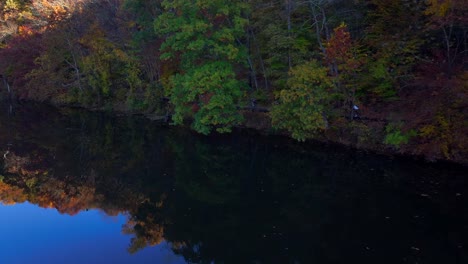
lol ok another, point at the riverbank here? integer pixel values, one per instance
(368, 132)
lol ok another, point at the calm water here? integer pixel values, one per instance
(80, 187)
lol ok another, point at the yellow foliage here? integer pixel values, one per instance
(438, 8)
(11, 5)
(427, 131)
(301, 108)
(440, 133)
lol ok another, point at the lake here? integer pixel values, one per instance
(82, 187)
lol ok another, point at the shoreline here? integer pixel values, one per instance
(259, 123)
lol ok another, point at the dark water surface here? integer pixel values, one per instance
(79, 187)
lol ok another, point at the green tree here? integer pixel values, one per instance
(145, 43)
(205, 37)
(213, 90)
(303, 104)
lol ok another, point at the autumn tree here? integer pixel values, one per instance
(303, 104)
(58, 68)
(17, 59)
(345, 60)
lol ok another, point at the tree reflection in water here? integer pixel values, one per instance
(236, 198)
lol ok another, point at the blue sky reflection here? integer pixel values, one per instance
(30, 234)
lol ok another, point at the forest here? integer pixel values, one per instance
(388, 75)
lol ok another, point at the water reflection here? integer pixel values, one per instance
(36, 235)
(235, 198)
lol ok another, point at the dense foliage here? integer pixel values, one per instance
(311, 64)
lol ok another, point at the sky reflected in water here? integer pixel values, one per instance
(31, 234)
